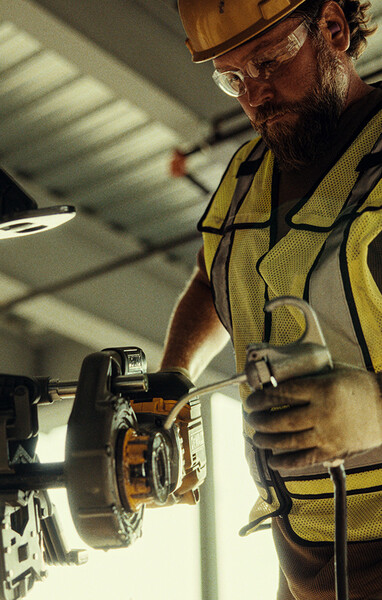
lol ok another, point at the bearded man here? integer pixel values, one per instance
(298, 212)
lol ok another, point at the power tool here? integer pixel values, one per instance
(119, 459)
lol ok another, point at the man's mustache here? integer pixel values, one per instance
(263, 113)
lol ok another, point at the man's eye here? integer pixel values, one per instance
(263, 68)
(234, 81)
(269, 64)
(232, 78)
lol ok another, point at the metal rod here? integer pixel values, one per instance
(337, 473)
(197, 183)
(33, 476)
(194, 393)
(66, 390)
(61, 390)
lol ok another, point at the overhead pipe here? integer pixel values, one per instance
(123, 261)
(178, 165)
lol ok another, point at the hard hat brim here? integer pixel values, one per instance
(261, 25)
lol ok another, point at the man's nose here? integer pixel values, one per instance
(259, 91)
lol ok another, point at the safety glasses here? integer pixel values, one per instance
(264, 66)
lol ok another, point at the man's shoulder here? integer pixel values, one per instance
(375, 97)
(247, 149)
(372, 106)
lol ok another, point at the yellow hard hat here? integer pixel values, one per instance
(214, 27)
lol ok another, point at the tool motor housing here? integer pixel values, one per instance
(119, 459)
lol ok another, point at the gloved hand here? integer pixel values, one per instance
(309, 420)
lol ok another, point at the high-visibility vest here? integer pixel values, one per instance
(323, 259)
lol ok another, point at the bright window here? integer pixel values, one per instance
(247, 567)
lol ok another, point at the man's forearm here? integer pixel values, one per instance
(195, 333)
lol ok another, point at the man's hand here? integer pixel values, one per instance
(310, 420)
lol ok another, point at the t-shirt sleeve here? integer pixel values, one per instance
(201, 268)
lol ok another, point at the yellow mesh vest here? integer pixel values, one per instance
(323, 258)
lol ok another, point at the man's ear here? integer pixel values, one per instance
(334, 26)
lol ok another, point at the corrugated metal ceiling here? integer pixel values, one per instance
(72, 136)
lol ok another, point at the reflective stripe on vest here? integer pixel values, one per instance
(351, 345)
(219, 267)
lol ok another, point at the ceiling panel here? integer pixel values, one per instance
(102, 123)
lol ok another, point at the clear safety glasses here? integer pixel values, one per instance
(233, 82)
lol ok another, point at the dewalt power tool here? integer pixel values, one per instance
(119, 459)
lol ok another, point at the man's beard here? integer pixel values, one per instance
(302, 142)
